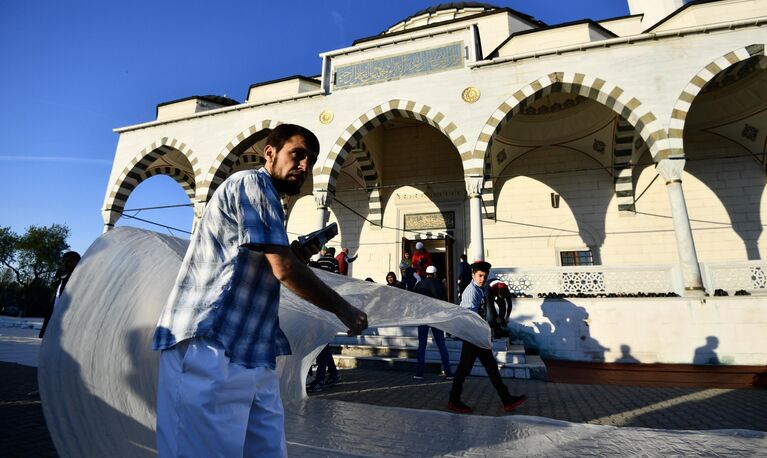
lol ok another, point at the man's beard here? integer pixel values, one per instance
(290, 188)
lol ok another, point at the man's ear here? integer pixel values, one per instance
(269, 153)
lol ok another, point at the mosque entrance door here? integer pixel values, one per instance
(442, 258)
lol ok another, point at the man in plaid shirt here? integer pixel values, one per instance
(218, 392)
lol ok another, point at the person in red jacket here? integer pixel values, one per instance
(344, 260)
(421, 259)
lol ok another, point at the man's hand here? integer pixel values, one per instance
(304, 252)
(355, 319)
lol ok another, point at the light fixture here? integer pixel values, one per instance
(554, 200)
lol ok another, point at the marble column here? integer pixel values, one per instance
(474, 191)
(199, 208)
(671, 170)
(109, 217)
(323, 199)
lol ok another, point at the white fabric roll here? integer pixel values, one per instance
(98, 375)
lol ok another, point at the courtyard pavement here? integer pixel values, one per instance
(662, 408)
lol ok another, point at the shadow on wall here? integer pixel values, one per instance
(706, 353)
(565, 335)
(626, 357)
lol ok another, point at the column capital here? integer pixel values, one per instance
(474, 185)
(322, 198)
(671, 169)
(199, 208)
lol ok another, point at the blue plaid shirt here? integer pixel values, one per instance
(227, 292)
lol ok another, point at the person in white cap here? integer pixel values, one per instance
(430, 286)
(421, 259)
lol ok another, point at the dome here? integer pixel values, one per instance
(440, 13)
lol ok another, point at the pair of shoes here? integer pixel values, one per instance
(315, 387)
(332, 379)
(418, 377)
(458, 406)
(513, 402)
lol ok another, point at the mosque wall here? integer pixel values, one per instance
(528, 231)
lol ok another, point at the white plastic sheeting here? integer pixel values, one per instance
(97, 373)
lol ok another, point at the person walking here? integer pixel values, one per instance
(218, 391)
(434, 288)
(69, 261)
(474, 299)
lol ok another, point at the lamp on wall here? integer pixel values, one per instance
(554, 200)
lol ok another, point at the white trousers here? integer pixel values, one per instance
(210, 407)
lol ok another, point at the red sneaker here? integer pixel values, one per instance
(513, 402)
(458, 406)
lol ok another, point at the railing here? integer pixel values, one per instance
(596, 280)
(750, 276)
(731, 277)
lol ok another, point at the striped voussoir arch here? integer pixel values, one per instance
(326, 173)
(226, 159)
(254, 160)
(696, 84)
(488, 197)
(622, 172)
(182, 178)
(135, 172)
(595, 89)
(372, 183)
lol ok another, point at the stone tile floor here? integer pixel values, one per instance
(327, 428)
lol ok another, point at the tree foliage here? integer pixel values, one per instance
(35, 256)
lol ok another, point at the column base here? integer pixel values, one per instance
(695, 291)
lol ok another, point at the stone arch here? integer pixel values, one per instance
(182, 178)
(696, 84)
(140, 168)
(372, 182)
(326, 172)
(228, 157)
(627, 107)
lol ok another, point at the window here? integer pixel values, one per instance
(576, 258)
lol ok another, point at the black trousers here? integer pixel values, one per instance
(469, 354)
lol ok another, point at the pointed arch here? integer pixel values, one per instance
(627, 107)
(140, 168)
(696, 84)
(182, 178)
(326, 172)
(229, 157)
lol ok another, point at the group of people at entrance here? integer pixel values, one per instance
(491, 300)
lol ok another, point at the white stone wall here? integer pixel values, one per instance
(672, 331)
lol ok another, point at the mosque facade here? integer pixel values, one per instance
(618, 156)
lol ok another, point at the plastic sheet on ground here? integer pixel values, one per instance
(97, 374)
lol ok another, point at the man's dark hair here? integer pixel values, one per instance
(284, 132)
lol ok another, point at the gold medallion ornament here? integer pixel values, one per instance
(470, 94)
(326, 117)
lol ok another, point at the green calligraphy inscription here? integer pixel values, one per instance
(389, 68)
(443, 220)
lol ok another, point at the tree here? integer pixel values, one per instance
(34, 257)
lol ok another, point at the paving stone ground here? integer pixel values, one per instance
(23, 432)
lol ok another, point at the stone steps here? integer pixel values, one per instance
(396, 348)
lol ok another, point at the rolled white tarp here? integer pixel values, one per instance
(97, 373)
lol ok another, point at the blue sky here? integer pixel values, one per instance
(71, 71)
